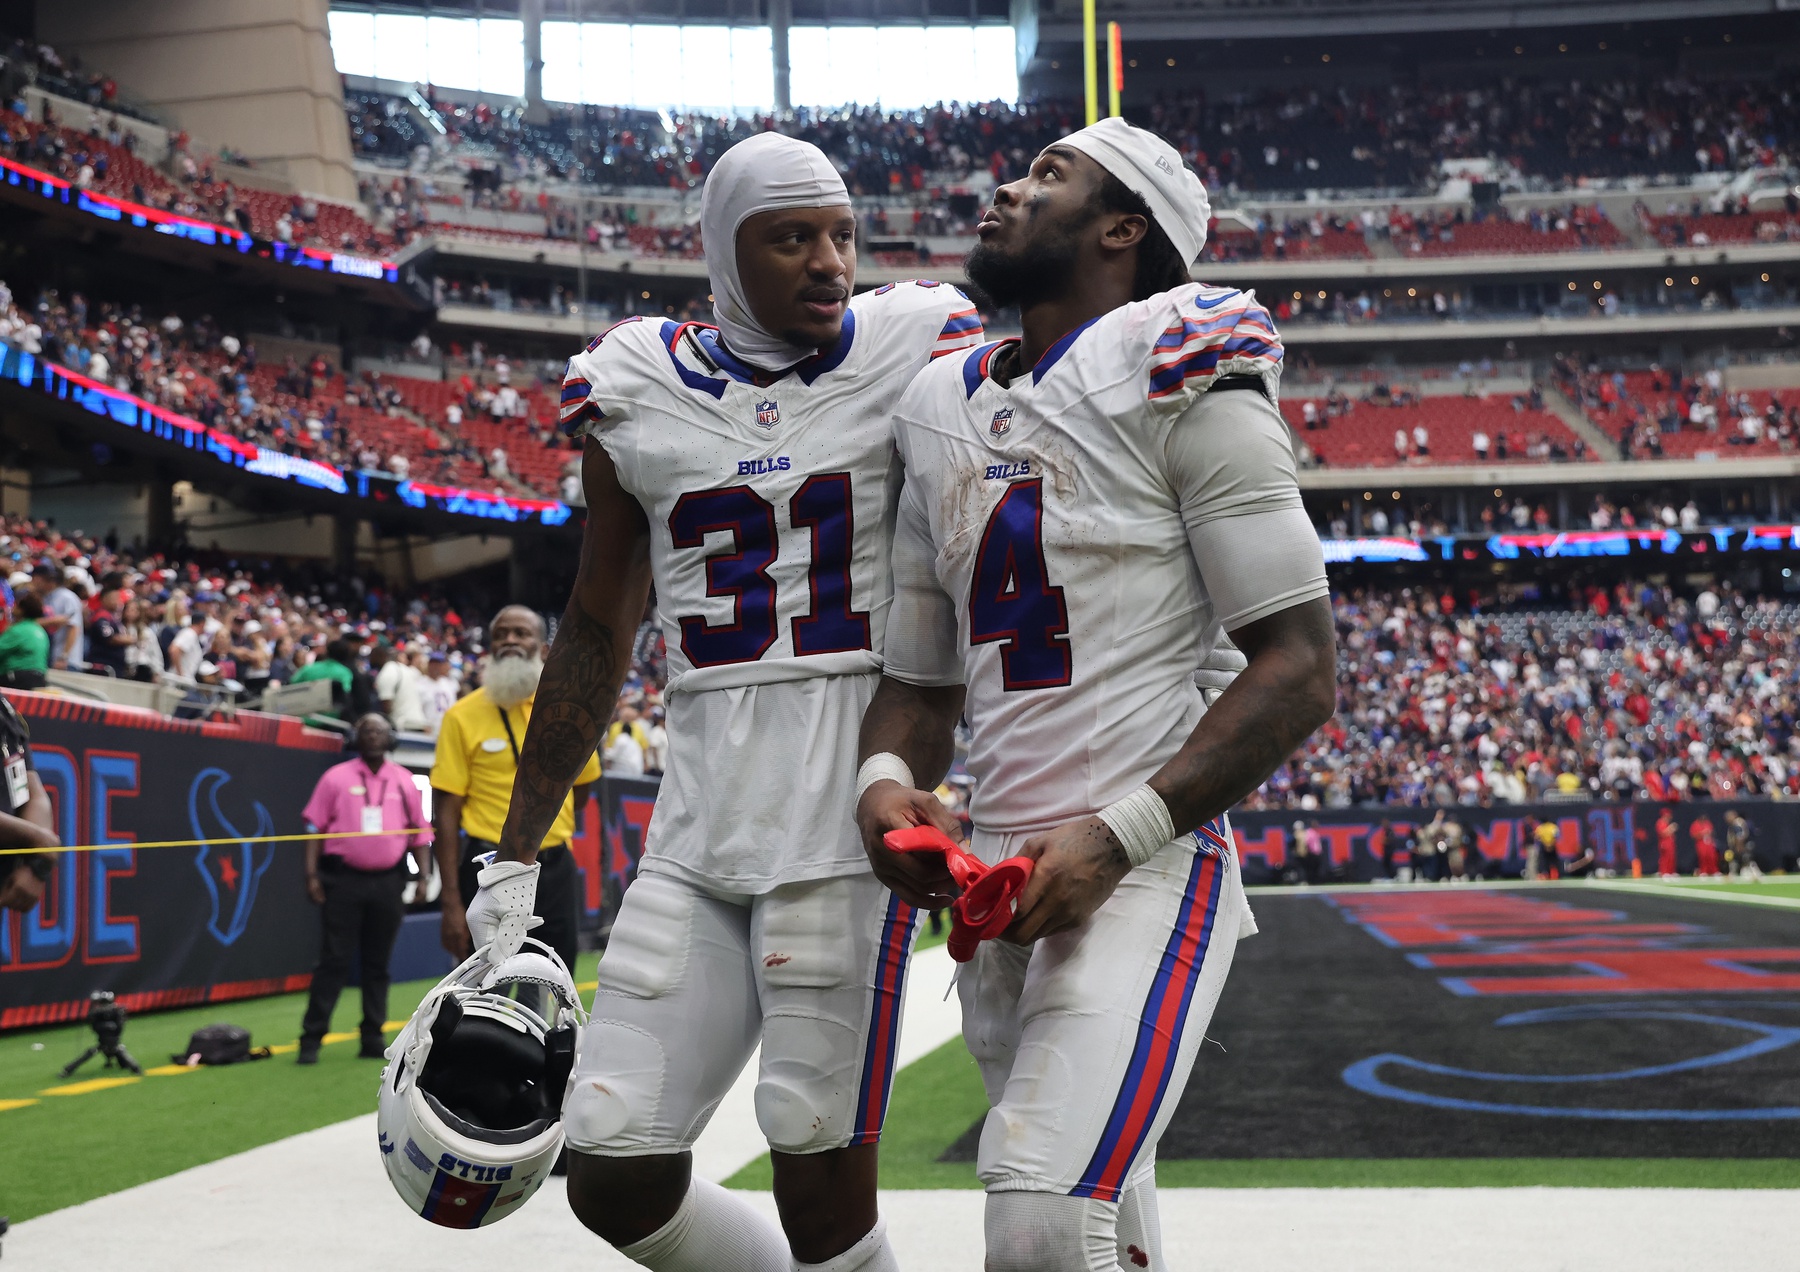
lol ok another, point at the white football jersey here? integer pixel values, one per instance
(1054, 517)
(771, 510)
(770, 499)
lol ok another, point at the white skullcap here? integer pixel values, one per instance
(759, 174)
(1150, 168)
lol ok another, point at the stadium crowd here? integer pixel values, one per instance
(1625, 691)
(1397, 136)
(1663, 412)
(301, 407)
(72, 602)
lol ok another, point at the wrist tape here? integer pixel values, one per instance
(1142, 823)
(883, 767)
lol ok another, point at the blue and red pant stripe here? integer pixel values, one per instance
(884, 1021)
(1160, 1025)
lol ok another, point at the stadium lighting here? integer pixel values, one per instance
(1596, 284)
(1765, 278)
(1169, 62)
(1324, 57)
(1695, 280)
(1571, 286)
(1668, 282)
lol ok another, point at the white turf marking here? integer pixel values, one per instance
(320, 1200)
(1702, 892)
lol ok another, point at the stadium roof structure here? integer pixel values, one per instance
(732, 12)
(1060, 20)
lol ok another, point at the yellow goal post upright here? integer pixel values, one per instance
(1090, 70)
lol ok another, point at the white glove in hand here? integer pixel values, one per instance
(500, 914)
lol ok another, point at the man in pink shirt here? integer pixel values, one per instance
(357, 881)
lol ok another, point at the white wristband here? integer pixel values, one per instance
(884, 767)
(1141, 821)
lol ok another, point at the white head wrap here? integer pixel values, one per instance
(759, 174)
(1151, 169)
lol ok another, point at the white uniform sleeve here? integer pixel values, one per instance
(597, 387)
(921, 643)
(1232, 465)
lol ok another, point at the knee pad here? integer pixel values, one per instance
(807, 1094)
(610, 1102)
(1050, 1232)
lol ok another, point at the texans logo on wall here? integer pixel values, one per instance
(164, 926)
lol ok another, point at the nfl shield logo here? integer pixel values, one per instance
(1002, 422)
(768, 414)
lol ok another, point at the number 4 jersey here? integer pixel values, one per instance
(1072, 544)
(771, 509)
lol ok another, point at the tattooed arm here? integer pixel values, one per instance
(587, 661)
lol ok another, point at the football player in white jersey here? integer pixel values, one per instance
(748, 471)
(1085, 511)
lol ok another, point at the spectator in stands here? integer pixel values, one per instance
(64, 616)
(144, 656)
(369, 811)
(626, 744)
(25, 645)
(399, 686)
(438, 691)
(472, 778)
(338, 667)
(1480, 443)
(188, 649)
(108, 639)
(1421, 441)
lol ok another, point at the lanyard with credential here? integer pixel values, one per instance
(511, 741)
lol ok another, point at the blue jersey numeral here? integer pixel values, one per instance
(831, 626)
(822, 505)
(1011, 599)
(742, 574)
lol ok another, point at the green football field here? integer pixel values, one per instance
(107, 1134)
(1786, 887)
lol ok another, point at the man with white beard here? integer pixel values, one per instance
(472, 781)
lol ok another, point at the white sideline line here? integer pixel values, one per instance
(320, 1200)
(1700, 891)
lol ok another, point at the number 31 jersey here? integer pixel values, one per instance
(770, 499)
(1045, 553)
(771, 510)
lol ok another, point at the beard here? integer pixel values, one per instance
(511, 680)
(1040, 271)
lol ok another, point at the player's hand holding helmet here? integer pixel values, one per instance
(470, 1113)
(501, 913)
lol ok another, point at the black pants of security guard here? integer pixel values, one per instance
(362, 909)
(558, 899)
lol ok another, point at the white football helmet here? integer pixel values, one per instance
(470, 1115)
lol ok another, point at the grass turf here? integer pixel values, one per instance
(86, 1145)
(939, 1096)
(1786, 888)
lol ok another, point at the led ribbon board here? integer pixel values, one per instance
(32, 372)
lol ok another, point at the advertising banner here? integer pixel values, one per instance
(163, 927)
(1359, 844)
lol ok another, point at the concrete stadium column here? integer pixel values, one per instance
(781, 17)
(532, 13)
(255, 75)
(159, 509)
(345, 529)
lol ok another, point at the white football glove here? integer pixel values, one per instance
(500, 914)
